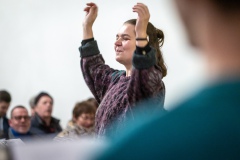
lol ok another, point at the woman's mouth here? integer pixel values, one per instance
(119, 51)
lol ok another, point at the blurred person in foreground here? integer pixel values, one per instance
(5, 100)
(20, 124)
(42, 123)
(207, 125)
(83, 123)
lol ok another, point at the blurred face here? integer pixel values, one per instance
(125, 44)
(3, 108)
(194, 16)
(20, 120)
(86, 120)
(44, 107)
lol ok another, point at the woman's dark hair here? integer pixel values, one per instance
(156, 39)
(40, 95)
(83, 107)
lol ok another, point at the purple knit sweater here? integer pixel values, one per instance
(116, 93)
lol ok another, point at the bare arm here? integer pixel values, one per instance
(91, 15)
(142, 22)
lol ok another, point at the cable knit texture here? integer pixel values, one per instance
(116, 93)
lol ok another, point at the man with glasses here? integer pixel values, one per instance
(20, 124)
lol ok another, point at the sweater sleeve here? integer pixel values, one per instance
(146, 79)
(96, 73)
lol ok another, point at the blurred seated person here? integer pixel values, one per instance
(83, 123)
(20, 124)
(42, 123)
(5, 100)
(91, 100)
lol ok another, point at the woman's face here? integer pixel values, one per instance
(125, 44)
(44, 107)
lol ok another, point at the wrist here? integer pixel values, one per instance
(87, 33)
(142, 41)
(141, 35)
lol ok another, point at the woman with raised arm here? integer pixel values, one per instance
(137, 47)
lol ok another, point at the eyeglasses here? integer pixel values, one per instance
(18, 118)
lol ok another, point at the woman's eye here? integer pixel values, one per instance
(123, 38)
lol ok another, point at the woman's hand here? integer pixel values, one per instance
(142, 20)
(91, 15)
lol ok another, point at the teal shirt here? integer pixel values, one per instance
(206, 126)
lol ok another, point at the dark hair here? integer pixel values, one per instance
(156, 39)
(93, 101)
(19, 106)
(228, 6)
(39, 96)
(5, 96)
(83, 107)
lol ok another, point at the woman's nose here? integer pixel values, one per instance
(118, 42)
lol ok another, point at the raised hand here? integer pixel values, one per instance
(91, 15)
(142, 19)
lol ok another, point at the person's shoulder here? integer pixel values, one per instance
(35, 118)
(207, 110)
(36, 130)
(5, 118)
(154, 124)
(6, 122)
(56, 124)
(156, 133)
(34, 121)
(55, 120)
(65, 133)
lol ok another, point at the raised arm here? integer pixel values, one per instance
(91, 15)
(147, 74)
(141, 24)
(96, 73)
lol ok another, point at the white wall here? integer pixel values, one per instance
(39, 43)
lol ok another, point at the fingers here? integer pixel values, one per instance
(86, 9)
(142, 20)
(91, 9)
(89, 6)
(141, 9)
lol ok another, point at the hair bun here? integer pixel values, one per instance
(160, 36)
(159, 33)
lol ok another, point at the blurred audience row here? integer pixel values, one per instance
(41, 124)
